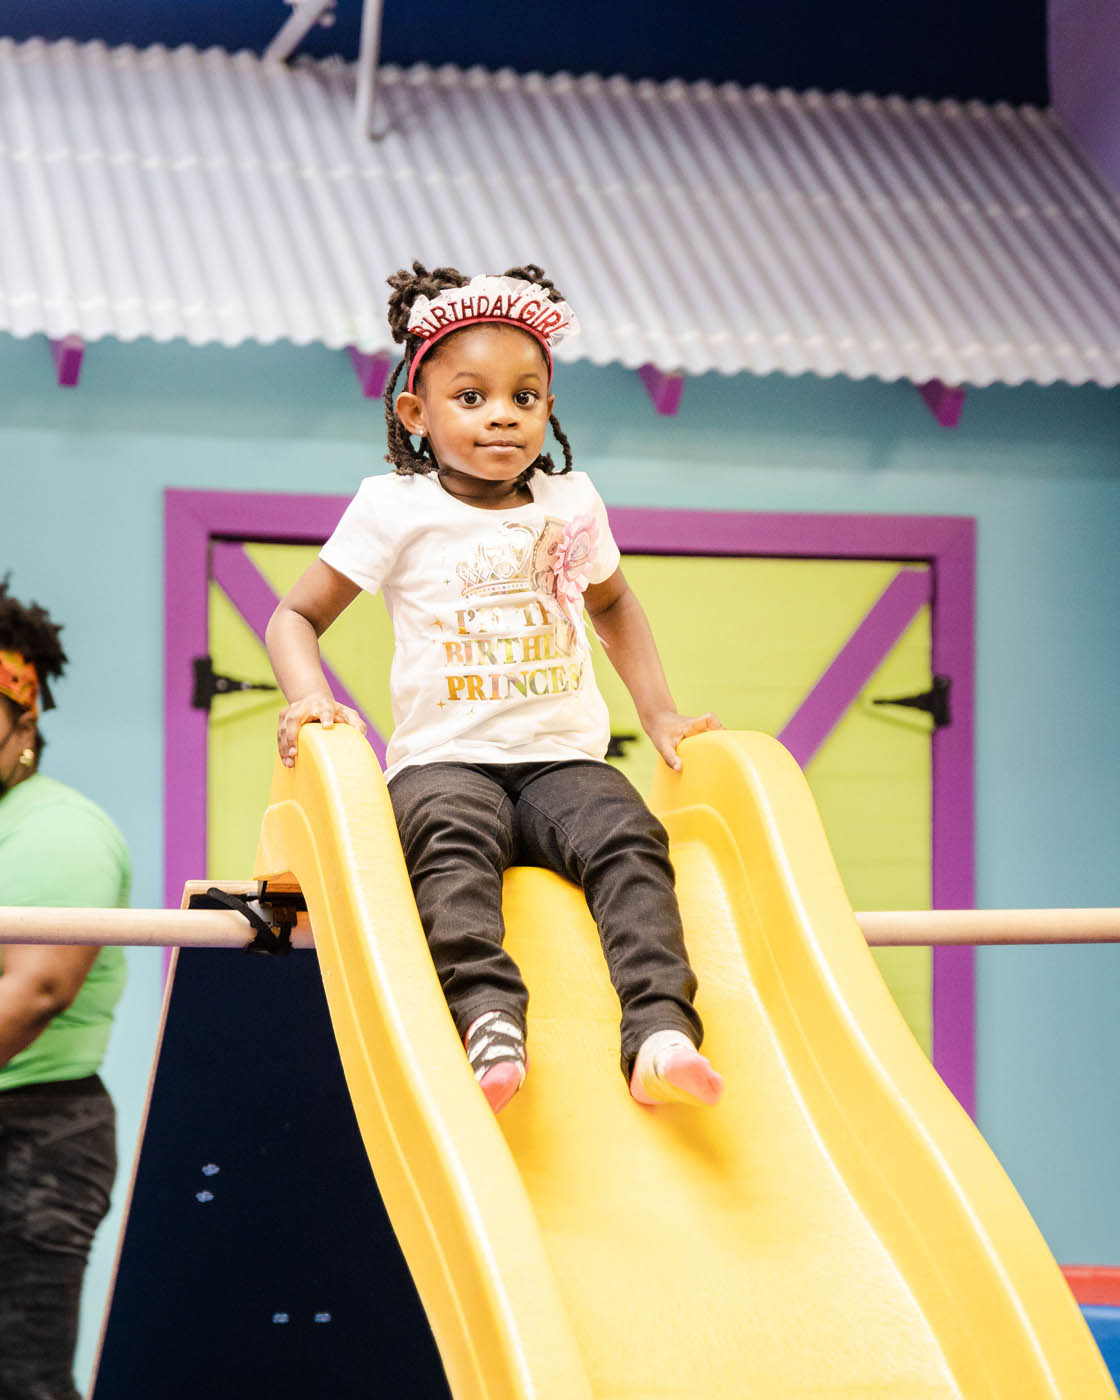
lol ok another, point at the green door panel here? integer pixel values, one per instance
(241, 744)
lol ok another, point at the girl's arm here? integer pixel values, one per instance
(621, 623)
(292, 637)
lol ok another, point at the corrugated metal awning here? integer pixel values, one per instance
(207, 195)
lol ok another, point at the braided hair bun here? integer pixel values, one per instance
(407, 286)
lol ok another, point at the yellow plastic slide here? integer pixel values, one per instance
(835, 1227)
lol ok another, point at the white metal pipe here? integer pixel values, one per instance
(183, 928)
(304, 17)
(223, 928)
(369, 52)
(946, 927)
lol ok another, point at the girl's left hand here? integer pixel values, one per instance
(667, 730)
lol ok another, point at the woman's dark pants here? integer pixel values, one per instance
(57, 1163)
(462, 825)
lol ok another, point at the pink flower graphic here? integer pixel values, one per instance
(574, 556)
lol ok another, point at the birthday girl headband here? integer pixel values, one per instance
(19, 681)
(485, 299)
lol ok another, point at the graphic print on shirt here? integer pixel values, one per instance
(520, 629)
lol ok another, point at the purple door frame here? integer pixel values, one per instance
(194, 519)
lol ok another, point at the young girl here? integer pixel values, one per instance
(487, 555)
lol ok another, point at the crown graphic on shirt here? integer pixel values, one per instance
(502, 566)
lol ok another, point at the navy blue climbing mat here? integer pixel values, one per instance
(257, 1256)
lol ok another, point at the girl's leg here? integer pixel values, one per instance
(456, 829)
(586, 821)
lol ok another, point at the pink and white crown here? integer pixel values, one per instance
(487, 298)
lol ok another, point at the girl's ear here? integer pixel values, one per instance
(410, 410)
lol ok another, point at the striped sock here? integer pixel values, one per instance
(495, 1046)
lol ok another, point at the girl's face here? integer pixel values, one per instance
(483, 403)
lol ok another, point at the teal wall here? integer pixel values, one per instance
(83, 474)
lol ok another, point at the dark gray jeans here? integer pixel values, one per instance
(57, 1162)
(462, 825)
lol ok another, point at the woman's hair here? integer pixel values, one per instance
(29, 630)
(407, 286)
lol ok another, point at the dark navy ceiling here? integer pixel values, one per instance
(990, 49)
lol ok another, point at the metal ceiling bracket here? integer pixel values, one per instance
(372, 371)
(945, 401)
(664, 389)
(306, 14)
(67, 355)
(369, 50)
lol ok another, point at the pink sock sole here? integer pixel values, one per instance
(500, 1084)
(682, 1076)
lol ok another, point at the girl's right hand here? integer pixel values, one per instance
(319, 708)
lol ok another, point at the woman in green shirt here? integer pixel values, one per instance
(57, 1130)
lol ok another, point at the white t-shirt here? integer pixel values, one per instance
(490, 662)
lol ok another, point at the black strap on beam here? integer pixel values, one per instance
(271, 916)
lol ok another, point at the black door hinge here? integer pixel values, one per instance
(934, 701)
(208, 683)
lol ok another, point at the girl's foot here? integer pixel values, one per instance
(495, 1047)
(670, 1069)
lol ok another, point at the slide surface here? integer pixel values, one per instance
(836, 1227)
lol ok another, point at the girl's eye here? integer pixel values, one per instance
(471, 398)
(525, 398)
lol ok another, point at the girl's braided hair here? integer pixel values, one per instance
(407, 286)
(28, 629)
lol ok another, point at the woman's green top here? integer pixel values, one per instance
(58, 848)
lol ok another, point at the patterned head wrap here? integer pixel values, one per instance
(19, 681)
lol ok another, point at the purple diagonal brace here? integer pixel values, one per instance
(664, 389)
(372, 371)
(67, 355)
(944, 401)
(250, 593)
(855, 663)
